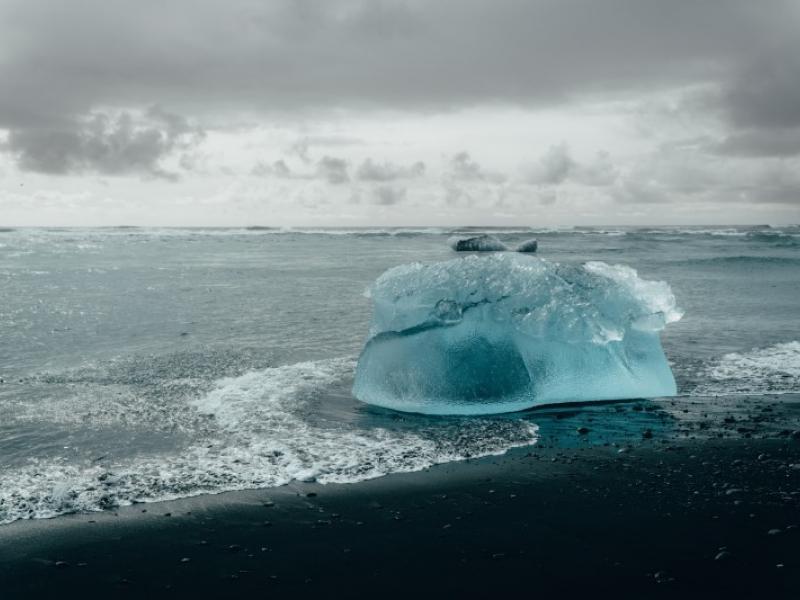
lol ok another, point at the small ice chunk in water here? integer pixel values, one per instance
(528, 246)
(479, 243)
(505, 332)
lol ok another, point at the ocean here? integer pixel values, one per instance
(142, 364)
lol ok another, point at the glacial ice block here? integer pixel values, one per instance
(479, 243)
(505, 332)
(528, 246)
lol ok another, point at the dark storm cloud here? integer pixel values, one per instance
(105, 144)
(760, 142)
(61, 59)
(761, 102)
(370, 170)
(765, 93)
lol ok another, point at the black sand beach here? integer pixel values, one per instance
(704, 518)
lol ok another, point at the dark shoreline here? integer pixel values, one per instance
(715, 518)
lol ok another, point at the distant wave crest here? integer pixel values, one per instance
(745, 260)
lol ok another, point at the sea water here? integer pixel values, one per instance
(147, 364)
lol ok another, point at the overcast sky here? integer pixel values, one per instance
(415, 112)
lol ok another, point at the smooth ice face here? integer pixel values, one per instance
(498, 333)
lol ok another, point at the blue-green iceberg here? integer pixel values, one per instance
(506, 332)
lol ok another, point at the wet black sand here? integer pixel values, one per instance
(662, 518)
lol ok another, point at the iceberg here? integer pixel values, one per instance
(479, 243)
(528, 246)
(506, 332)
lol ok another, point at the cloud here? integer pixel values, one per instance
(410, 54)
(278, 168)
(760, 101)
(333, 170)
(601, 171)
(386, 195)
(548, 198)
(309, 81)
(103, 143)
(465, 183)
(759, 143)
(672, 176)
(386, 171)
(557, 166)
(553, 167)
(765, 92)
(330, 169)
(463, 168)
(640, 191)
(302, 146)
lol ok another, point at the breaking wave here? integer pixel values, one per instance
(262, 429)
(771, 370)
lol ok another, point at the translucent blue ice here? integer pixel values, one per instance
(505, 332)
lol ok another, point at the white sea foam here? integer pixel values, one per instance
(771, 370)
(262, 429)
